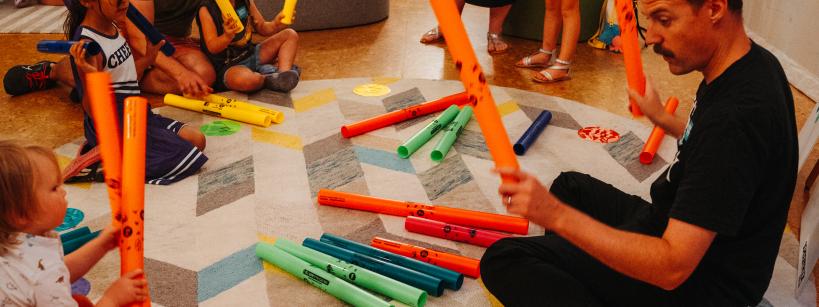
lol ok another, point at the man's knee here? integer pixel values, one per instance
(497, 259)
(206, 72)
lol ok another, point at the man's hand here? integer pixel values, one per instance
(78, 52)
(191, 85)
(649, 104)
(528, 197)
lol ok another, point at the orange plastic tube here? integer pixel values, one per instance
(133, 187)
(103, 111)
(398, 116)
(456, 216)
(631, 51)
(657, 134)
(464, 265)
(474, 82)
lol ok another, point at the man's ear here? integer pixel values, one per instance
(717, 9)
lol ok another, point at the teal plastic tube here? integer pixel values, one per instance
(76, 243)
(422, 137)
(452, 132)
(76, 233)
(355, 275)
(451, 279)
(318, 277)
(432, 285)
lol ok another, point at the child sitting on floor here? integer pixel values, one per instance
(33, 270)
(173, 150)
(240, 64)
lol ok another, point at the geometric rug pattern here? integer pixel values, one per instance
(261, 183)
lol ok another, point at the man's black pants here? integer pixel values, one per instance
(550, 271)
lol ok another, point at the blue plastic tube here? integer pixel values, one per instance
(531, 134)
(148, 29)
(452, 280)
(432, 285)
(63, 47)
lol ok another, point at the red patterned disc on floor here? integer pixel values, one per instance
(598, 134)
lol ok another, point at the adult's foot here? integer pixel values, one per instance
(432, 36)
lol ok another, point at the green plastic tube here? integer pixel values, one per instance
(355, 275)
(452, 132)
(76, 243)
(422, 137)
(318, 277)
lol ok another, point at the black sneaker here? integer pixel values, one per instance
(281, 81)
(23, 79)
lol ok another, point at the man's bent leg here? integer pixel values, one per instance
(598, 199)
(159, 82)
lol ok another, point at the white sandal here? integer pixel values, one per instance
(526, 62)
(559, 65)
(494, 39)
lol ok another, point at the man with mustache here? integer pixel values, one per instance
(711, 233)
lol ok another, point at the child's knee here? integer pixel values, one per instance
(290, 34)
(193, 136)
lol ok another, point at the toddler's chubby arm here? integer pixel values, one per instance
(216, 43)
(266, 28)
(83, 259)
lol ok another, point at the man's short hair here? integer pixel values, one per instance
(734, 5)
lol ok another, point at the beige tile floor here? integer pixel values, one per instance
(388, 48)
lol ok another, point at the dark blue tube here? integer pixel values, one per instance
(148, 29)
(71, 246)
(63, 47)
(532, 133)
(76, 233)
(452, 280)
(432, 285)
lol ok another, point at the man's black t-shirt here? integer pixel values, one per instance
(734, 174)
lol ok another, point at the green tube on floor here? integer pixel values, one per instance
(452, 132)
(422, 137)
(76, 243)
(355, 275)
(318, 277)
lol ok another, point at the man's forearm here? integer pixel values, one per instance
(646, 258)
(671, 124)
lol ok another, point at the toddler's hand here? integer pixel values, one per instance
(109, 237)
(152, 50)
(128, 289)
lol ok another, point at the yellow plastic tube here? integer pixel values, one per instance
(214, 109)
(229, 12)
(276, 116)
(287, 10)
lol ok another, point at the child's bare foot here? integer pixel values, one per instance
(127, 289)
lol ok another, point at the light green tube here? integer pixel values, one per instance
(452, 132)
(355, 275)
(422, 137)
(318, 278)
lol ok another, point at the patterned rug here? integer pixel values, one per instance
(32, 19)
(261, 183)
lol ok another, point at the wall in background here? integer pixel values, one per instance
(788, 29)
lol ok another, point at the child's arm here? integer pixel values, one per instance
(266, 28)
(81, 260)
(216, 43)
(85, 65)
(148, 58)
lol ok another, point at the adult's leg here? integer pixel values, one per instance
(281, 46)
(550, 271)
(158, 81)
(570, 15)
(435, 34)
(551, 27)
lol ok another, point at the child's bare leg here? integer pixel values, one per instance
(282, 45)
(240, 78)
(193, 136)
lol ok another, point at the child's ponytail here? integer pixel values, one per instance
(76, 13)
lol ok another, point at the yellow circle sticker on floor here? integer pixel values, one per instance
(371, 90)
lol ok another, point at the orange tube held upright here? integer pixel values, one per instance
(474, 82)
(631, 51)
(103, 111)
(398, 116)
(464, 265)
(457, 216)
(656, 137)
(132, 233)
